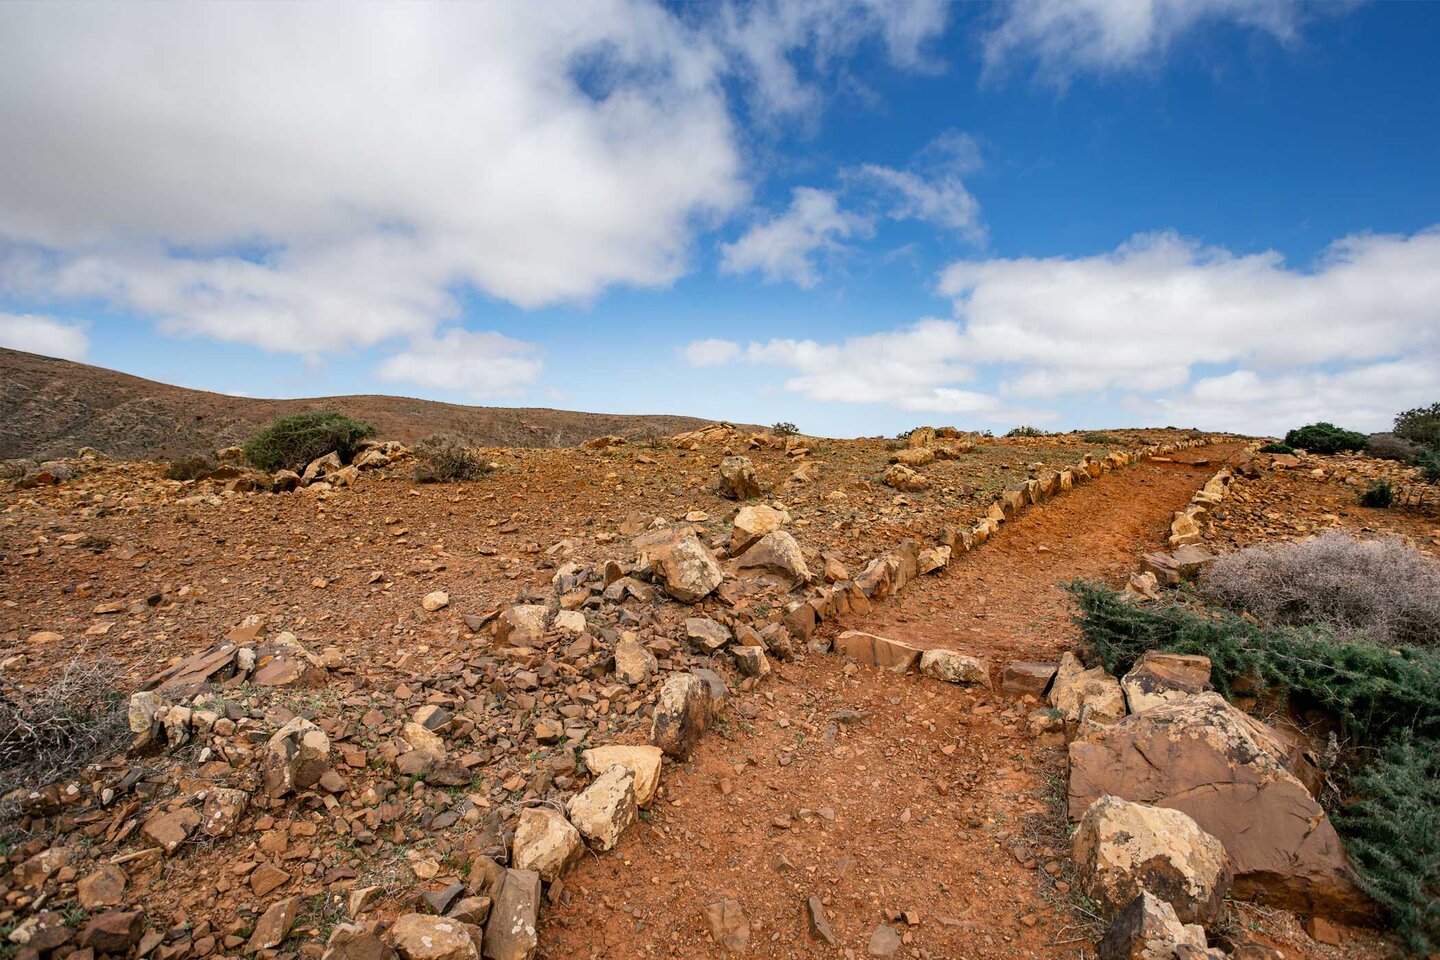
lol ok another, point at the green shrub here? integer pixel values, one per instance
(292, 442)
(446, 458)
(784, 429)
(1101, 438)
(1429, 464)
(1380, 495)
(1392, 833)
(1325, 438)
(1277, 448)
(1421, 425)
(192, 467)
(1025, 430)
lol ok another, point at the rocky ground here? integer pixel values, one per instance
(414, 674)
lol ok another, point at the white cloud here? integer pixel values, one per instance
(1067, 37)
(481, 365)
(785, 247)
(711, 353)
(43, 335)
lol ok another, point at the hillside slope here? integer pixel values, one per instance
(50, 407)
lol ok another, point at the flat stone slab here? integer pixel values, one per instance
(873, 651)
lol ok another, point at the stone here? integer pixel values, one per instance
(510, 933)
(751, 661)
(320, 466)
(274, 925)
(1021, 678)
(1147, 929)
(633, 663)
(728, 924)
(545, 842)
(1093, 693)
(115, 931)
(885, 941)
(819, 923)
(522, 625)
(169, 830)
(284, 481)
(353, 942)
(440, 901)
(103, 888)
(682, 714)
(914, 456)
(752, 523)
(952, 667)
(933, 560)
(436, 600)
(605, 809)
(267, 878)
(486, 877)
(1162, 677)
(474, 910)
(1323, 931)
(570, 623)
(676, 557)
(141, 710)
(776, 553)
(222, 810)
(295, 757)
(643, 762)
(705, 634)
(1122, 848)
(1227, 771)
(417, 936)
(737, 479)
(873, 651)
(901, 477)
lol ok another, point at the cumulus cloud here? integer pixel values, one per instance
(786, 246)
(481, 365)
(711, 353)
(43, 335)
(1067, 37)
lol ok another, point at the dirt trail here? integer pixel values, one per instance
(883, 794)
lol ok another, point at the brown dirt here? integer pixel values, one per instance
(49, 408)
(938, 804)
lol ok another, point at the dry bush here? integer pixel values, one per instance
(192, 467)
(1387, 446)
(445, 458)
(51, 730)
(1384, 590)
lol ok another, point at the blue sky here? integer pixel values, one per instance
(854, 217)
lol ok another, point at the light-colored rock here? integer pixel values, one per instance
(642, 760)
(1226, 771)
(1122, 848)
(933, 560)
(633, 663)
(752, 523)
(424, 741)
(955, 667)
(776, 553)
(295, 757)
(435, 600)
(142, 709)
(901, 477)
(1093, 693)
(545, 842)
(738, 480)
(682, 713)
(751, 661)
(705, 634)
(570, 623)
(1021, 678)
(914, 456)
(1147, 929)
(418, 936)
(522, 625)
(605, 809)
(1164, 677)
(678, 559)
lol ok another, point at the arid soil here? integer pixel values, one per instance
(49, 408)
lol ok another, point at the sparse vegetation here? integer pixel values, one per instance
(292, 442)
(1380, 495)
(192, 467)
(1429, 464)
(784, 429)
(1387, 446)
(1025, 430)
(1277, 448)
(1325, 438)
(447, 458)
(54, 728)
(1383, 590)
(1100, 438)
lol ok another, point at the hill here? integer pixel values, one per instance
(50, 407)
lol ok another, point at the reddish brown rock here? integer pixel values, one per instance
(875, 651)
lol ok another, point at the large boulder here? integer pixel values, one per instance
(1164, 677)
(1093, 693)
(682, 712)
(680, 562)
(779, 554)
(737, 479)
(545, 842)
(510, 933)
(752, 523)
(1122, 848)
(901, 477)
(1227, 771)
